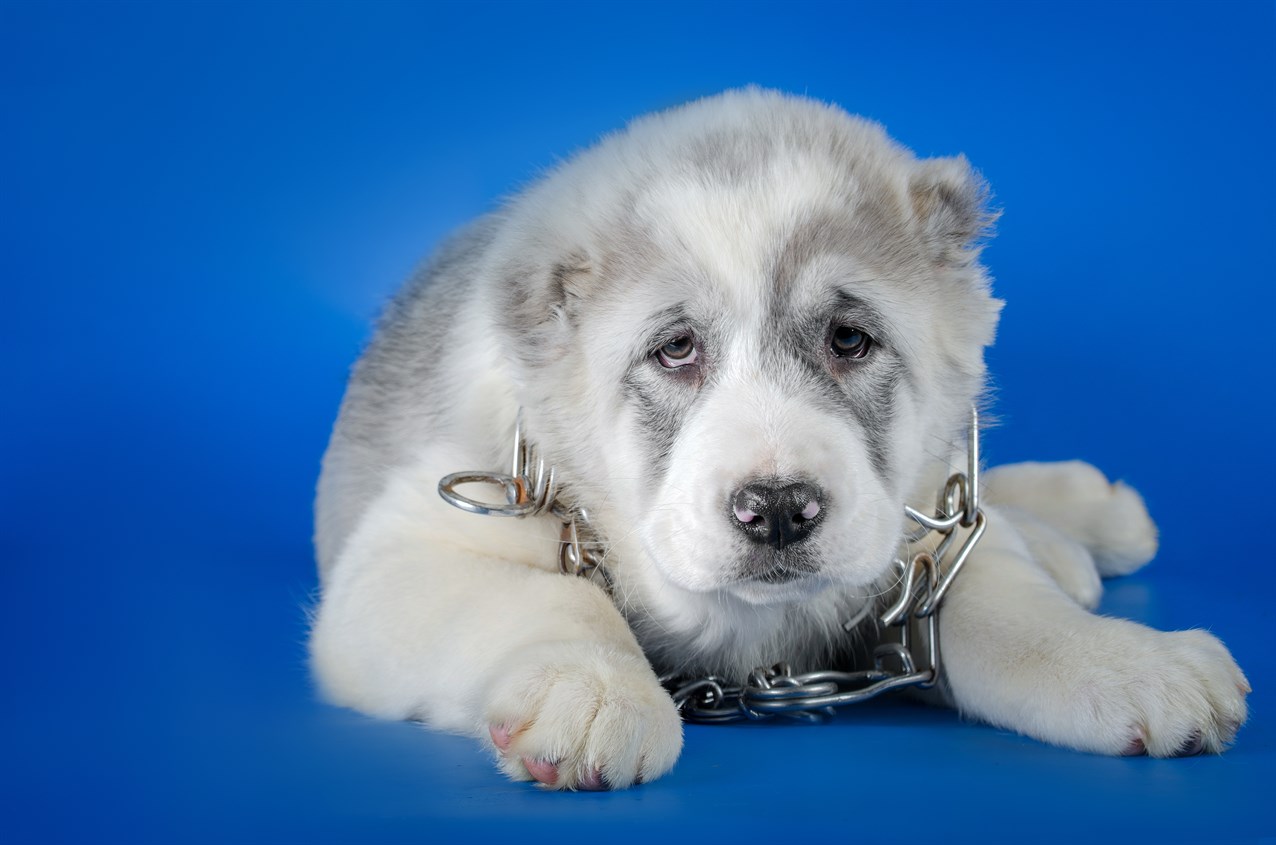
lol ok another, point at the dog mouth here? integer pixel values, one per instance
(777, 568)
(779, 575)
(778, 580)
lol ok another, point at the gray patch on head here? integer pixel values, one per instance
(659, 417)
(869, 397)
(873, 403)
(862, 390)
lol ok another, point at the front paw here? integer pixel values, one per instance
(1185, 696)
(582, 716)
(1121, 688)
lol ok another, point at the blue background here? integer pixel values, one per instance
(205, 204)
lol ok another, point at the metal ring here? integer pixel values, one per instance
(512, 507)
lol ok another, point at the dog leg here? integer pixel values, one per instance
(539, 666)
(1068, 562)
(1077, 500)
(1019, 654)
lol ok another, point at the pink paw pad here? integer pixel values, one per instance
(542, 770)
(500, 736)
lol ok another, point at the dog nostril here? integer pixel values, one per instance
(776, 512)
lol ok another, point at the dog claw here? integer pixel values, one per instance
(1136, 748)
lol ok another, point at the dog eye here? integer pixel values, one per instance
(850, 342)
(678, 352)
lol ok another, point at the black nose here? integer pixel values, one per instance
(777, 512)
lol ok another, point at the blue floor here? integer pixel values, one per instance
(203, 204)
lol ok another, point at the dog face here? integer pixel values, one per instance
(759, 324)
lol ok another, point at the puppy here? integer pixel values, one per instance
(745, 333)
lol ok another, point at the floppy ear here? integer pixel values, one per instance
(950, 201)
(568, 278)
(541, 297)
(546, 290)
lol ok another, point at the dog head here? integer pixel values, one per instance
(748, 331)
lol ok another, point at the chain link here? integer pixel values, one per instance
(922, 579)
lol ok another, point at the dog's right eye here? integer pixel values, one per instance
(850, 342)
(678, 352)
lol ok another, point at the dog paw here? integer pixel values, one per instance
(580, 716)
(1109, 519)
(1122, 536)
(1155, 693)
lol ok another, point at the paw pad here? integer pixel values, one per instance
(542, 770)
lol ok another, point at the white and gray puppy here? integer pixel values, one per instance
(746, 332)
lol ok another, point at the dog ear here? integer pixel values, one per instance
(567, 279)
(541, 298)
(950, 201)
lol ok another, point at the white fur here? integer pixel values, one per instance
(745, 217)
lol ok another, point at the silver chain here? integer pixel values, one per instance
(922, 580)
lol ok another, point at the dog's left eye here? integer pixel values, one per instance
(850, 342)
(678, 352)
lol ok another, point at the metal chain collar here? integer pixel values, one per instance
(922, 581)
